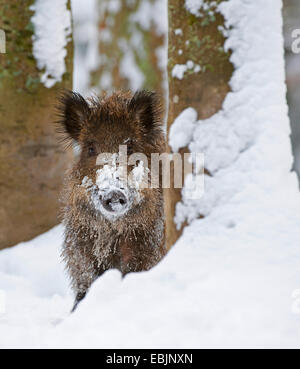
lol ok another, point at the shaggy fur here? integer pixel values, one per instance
(93, 244)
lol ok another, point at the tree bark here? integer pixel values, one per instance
(32, 163)
(197, 39)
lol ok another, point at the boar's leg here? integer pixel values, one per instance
(83, 268)
(80, 296)
(84, 282)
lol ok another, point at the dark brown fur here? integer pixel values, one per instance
(94, 244)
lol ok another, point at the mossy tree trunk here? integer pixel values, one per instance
(32, 163)
(196, 39)
(131, 46)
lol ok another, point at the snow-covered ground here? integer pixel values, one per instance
(233, 279)
(222, 285)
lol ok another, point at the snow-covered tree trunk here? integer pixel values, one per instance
(291, 16)
(37, 64)
(199, 71)
(132, 37)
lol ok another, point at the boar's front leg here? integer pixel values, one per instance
(82, 291)
(80, 296)
(83, 269)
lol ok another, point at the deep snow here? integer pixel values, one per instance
(222, 285)
(233, 279)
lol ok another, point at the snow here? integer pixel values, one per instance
(52, 30)
(233, 289)
(129, 68)
(151, 13)
(182, 129)
(247, 142)
(36, 291)
(197, 68)
(190, 64)
(179, 69)
(233, 279)
(139, 175)
(114, 177)
(86, 42)
(178, 32)
(114, 6)
(193, 6)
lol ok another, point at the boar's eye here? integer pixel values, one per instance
(91, 150)
(130, 149)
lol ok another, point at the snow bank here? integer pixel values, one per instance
(221, 286)
(52, 30)
(35, 287)
(232, 279)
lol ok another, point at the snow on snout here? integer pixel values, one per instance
(113, 178)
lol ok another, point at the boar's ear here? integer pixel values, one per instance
(147, 109)
(73, 110)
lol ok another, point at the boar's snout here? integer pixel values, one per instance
(115, 202)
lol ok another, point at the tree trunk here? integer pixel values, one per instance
(196, 42)
(32, 163)
(132, 38)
